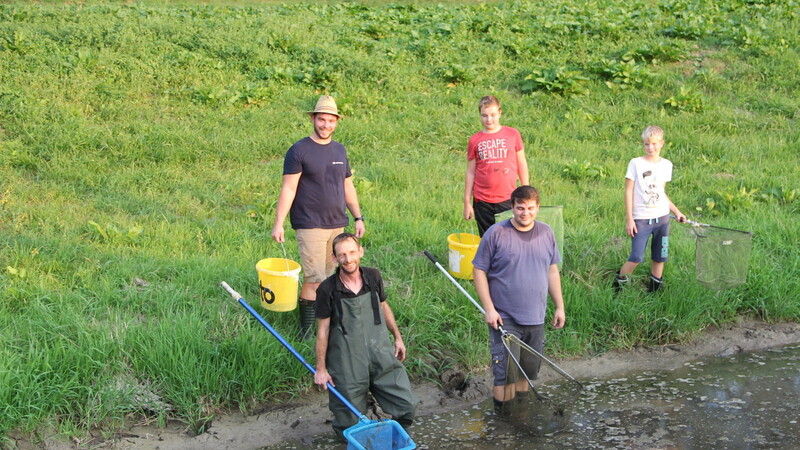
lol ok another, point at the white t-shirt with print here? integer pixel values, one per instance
(649, 180)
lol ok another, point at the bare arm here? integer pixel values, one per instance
(522, 168)
(323, 330)
(554, 288)
(468, 184)
(285, 199)
(351, 199)
(391, 324)
(630, 225)
(675, 211)
(482, 287)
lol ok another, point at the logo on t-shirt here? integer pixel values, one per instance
(492, 149)
(650, 184)
(337, 162)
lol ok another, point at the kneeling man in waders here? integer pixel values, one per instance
(354, 352)
(514, 269)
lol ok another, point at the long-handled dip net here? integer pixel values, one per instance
(722, 255)
(550, 413)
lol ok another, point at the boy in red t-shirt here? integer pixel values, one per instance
(495, 161)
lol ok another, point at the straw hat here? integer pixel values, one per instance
(326, 105)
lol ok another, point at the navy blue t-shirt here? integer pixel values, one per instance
(319, 201)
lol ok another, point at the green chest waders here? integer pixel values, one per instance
(360, 358)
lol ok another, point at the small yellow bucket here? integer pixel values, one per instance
(462, 251)
(277, 280)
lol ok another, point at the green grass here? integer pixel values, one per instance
(141, 148)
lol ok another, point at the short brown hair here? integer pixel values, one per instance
(488, 100)
(524, 193)
(343, 237)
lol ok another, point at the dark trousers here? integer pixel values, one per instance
(485, 211)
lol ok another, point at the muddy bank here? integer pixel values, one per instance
(309, 415)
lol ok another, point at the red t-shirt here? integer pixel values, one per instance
(495, 156)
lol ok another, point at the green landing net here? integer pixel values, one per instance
(722, 256)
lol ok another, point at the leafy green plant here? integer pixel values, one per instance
(456, 73)
(112, 234)
(709, 208)
(686, 100)
(273, 73)
(555, 80)
(319, 77)
(19, 41)
(685, 20)
(621, 74)
(726, 202)
(375, 29)
(742, 198)
(707, 77)
(209, 95)
(656, 52)
(249, 94)
(579, 171)
(16, 272)
(781, 195)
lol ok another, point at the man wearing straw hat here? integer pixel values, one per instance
(317, 187)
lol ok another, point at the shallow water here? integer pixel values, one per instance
(746, 401)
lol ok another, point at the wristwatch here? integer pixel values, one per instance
(361, 218)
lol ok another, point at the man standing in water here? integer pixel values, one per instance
(515, 267)
(317, 186)
(354, 352)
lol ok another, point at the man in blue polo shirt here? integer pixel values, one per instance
(317, 189)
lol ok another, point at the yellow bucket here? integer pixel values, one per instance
(277, 280)
(462, 251)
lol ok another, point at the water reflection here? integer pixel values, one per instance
(747, 401)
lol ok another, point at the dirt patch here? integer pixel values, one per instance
(309, 416)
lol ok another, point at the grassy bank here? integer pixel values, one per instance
(141, 150)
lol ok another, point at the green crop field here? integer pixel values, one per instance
(141, 149)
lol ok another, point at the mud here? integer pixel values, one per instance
(309, 416)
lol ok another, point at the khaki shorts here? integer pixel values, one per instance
(316, 253)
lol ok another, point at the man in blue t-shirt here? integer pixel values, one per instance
(317, 187)
(514, 269)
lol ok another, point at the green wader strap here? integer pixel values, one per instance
(376, 302)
